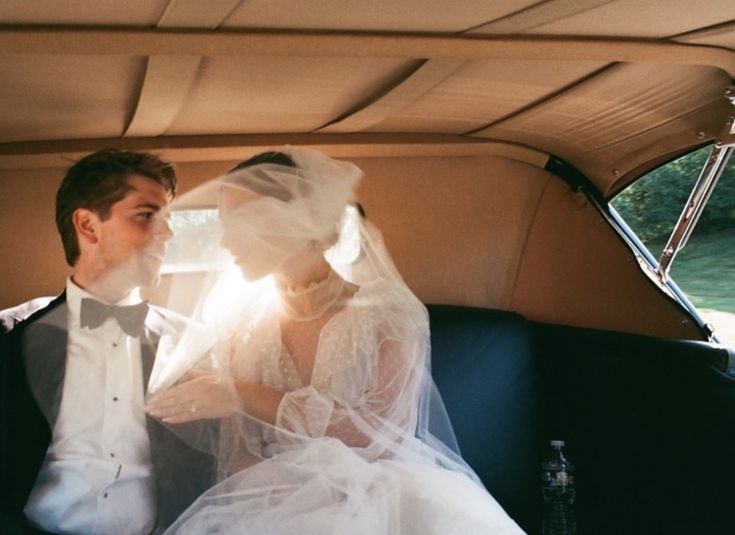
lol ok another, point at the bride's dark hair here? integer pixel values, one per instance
(278, 158)
(270, 157)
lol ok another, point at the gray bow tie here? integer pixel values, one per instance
(130, 318)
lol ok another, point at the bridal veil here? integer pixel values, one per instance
(368, 428)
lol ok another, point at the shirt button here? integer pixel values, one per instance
(104, 495)
(114, 344)
(112, 455)
(115, 398)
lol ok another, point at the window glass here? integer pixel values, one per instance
(195, 241)
(705, 268)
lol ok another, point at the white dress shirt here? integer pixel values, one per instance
(97, 477)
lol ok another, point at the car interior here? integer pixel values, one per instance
(492, 137)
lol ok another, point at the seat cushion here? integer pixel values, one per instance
(487, 370)
(650, 424)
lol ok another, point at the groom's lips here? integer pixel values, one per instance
(156, 255)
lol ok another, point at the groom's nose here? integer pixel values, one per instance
(162, 227)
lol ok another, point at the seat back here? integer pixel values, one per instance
(487, 368)
(648, 422)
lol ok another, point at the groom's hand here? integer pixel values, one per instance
(204, 395)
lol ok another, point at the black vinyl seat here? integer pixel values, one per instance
(649, 423)
(488, 370)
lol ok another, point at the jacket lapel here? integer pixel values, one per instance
(31, 385)
(32, 373)
(44, 356)
(182, 472)
(148, 346)
(44, 345)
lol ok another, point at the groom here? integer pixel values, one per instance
(78, 454)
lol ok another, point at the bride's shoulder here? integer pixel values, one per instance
(387, 302)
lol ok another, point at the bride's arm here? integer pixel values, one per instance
(389, 404)
(385, 411)
(210, 395)
(259, 400)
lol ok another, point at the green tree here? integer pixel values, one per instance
(652, 204)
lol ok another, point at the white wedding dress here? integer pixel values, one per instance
(360, 446)
(350, 452)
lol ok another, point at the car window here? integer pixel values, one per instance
(705, 268)
(195, 240)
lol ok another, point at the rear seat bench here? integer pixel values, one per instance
(649, 423)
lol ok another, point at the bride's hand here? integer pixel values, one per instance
(205, 396)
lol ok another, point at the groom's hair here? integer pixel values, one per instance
(98, 181)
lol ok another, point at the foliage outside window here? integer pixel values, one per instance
(705, 268)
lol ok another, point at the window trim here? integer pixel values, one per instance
(698, 199)
(578, 182)
(649, 265)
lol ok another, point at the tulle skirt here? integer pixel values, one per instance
(325, 488)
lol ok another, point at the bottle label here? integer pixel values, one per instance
(557, 478)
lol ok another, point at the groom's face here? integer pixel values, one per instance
(132, 239)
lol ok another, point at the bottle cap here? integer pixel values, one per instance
(557, 443)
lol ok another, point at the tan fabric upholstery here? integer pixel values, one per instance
(451, 107)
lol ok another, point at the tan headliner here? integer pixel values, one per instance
(559, 77)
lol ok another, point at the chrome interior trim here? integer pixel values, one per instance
(694, 207)
(700, 195)
(649, 266)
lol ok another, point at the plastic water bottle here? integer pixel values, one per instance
(558, 488)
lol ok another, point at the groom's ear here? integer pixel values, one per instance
(86, 224)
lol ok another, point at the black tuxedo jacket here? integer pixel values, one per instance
(32, 366)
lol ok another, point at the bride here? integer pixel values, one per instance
(316, 395)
